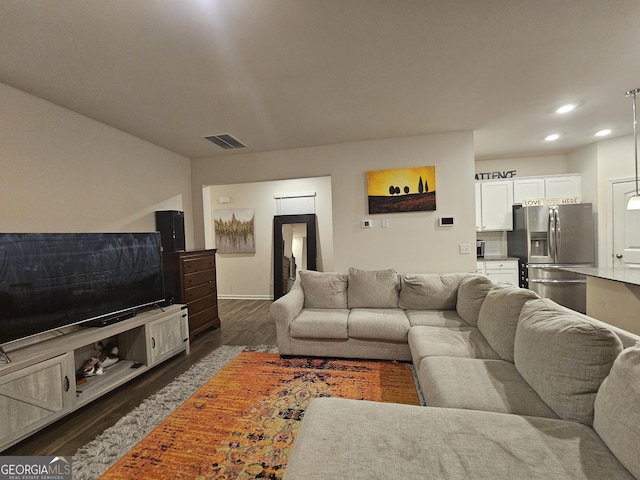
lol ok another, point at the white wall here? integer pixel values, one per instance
(413, 242)
(525, 166)
(63, 172)
(250, 275)
(615, 162)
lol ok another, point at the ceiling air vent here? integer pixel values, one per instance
(226, 141)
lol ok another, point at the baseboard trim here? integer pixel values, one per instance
(245, 297)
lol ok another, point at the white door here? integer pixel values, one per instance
(626, 227)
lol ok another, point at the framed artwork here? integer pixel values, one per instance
(402, 190)
(235, 230)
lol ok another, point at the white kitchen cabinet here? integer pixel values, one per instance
(502, 271)
(527, 189)
(505, 270)
(496, 200)
(556, 186)
(563, 186)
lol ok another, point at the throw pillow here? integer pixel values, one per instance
(471, 294)
(429, 291)
(499, 314)
(372, 288)
(617, 411)
(324, 289)
(564, 358)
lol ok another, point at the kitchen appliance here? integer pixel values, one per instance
(480, 248)
(548, 238)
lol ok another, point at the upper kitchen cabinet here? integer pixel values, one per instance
(557, 186)
(563, 186)
(495, 200)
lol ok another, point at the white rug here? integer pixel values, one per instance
(92, 460)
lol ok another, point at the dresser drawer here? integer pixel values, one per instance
(194, 293)
(203, 320)
(198, 278)
(197, 264)
(202, 304)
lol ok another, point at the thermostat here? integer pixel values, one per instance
(446, 221)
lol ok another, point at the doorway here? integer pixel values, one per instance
(626, 227)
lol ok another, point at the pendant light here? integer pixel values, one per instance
(634, 201)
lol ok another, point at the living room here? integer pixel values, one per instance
(71, 163)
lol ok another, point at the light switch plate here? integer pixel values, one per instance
(366, 223)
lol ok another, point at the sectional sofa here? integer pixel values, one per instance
(515, 386)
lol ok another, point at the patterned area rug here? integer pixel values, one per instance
(242, 423)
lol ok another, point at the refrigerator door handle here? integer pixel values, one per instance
(537, 280)
(556, 219)
(551, 235)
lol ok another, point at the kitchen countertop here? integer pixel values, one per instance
(497, 258)
(629, 276)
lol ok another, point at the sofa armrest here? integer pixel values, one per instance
(283, 311)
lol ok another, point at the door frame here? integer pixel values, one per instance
(610, 251)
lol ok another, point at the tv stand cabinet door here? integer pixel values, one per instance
(35, 396)
(167, 337)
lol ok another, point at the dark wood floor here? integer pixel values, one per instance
(243, 322)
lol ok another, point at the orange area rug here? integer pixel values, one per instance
(242, 423)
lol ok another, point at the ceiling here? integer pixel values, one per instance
(280, 74)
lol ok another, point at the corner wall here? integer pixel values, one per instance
(413, 242)
(63, 172)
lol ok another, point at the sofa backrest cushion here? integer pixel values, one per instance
(429, 291)
(373, 288)
(324, 289)
(617, 410)
(471, 294)
(499, 314)
(564, 358)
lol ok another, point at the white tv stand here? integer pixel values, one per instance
(39, 386)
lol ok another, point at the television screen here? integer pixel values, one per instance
(51, 280)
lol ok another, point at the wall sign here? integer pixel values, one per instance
(495, 175)
(537, 202)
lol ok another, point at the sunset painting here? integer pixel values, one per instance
(402, 190)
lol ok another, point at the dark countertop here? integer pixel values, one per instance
(630, 276)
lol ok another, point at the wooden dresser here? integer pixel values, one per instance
(190, 278)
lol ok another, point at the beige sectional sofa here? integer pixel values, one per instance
(515, 386)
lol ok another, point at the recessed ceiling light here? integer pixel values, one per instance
(553, 137)
(603, 133)
(566, 108)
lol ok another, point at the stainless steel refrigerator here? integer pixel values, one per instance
(546, 238)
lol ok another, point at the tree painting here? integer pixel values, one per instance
(417, 194)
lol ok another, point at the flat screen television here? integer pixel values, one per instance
(53, 280)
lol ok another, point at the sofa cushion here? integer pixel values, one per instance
(363, 440)
(475, 384)
(465, 342)
(429, 291)
(617, 409)
(471, 293)
(322, 323)
(372, 288)
(324, 289)
(435, 318)
(499, 314)
(388, 324)
(564, 358)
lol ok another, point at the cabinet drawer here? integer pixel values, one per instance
(197, 264)
(198, 278)
(501, 265)
(201, 320)
(202, 304)
(194, 293)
